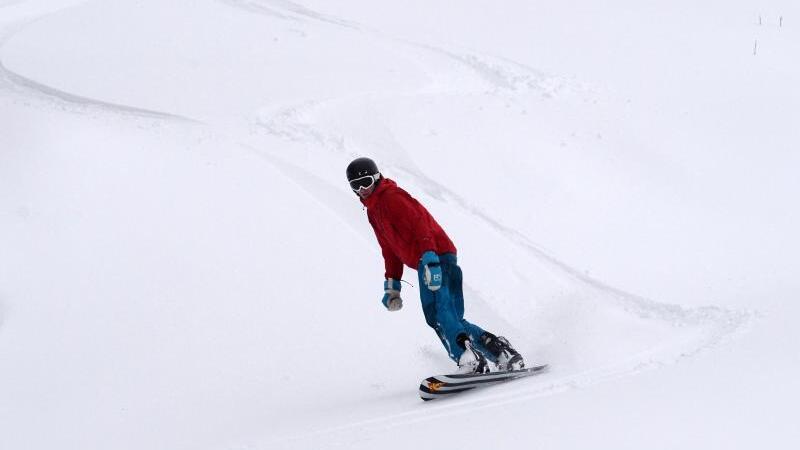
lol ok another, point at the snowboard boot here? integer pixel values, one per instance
(472, 360)
(500, 348)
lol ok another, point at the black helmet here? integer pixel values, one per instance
(361, 167)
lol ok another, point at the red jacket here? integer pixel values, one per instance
(404, 228)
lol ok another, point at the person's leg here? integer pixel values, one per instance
(440, 313)
(497, 349)
(455, 285)
(429, 310)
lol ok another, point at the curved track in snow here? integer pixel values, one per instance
(34, 89)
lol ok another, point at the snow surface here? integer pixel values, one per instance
(182, 265)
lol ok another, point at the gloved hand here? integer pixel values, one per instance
(432, 272)
(391, 298)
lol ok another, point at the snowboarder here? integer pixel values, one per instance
(408, 234)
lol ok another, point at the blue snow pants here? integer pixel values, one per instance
(444, 308)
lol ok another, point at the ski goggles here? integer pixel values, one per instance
(365, 182)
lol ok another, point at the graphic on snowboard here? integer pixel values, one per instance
(442, 386)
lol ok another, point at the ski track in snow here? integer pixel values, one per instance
(33, 89)
(727, 324)
(498, 73)
(297, 123)
(82, 103)
(287, 10)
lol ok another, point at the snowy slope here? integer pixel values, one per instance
(178, 244)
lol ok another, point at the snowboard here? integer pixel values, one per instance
(443, 386)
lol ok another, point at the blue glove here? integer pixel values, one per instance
(432, 272)
(391, 298)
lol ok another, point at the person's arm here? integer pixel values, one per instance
(392, 263)
(394, 271)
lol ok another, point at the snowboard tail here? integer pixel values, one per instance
(442, 386)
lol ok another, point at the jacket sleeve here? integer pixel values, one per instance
(392, 263)
(410, 218)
